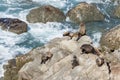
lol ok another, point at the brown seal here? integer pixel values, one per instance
(74, 62)
(87, 48)
(46, 57)
(82, 29)
(66, 33)
(99, 62)
(81, 32)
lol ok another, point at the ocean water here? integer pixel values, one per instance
(39, 33)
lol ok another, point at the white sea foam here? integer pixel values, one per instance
(96, 38)
(8, 49)
(48, 31)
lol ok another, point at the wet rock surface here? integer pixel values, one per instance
(13, 25)
(45, 14)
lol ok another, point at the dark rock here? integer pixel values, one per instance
(13, 25)
(85, 12)
(45, 14)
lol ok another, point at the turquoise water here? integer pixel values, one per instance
(39, 33)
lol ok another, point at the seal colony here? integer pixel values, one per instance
(69, 55)
(85, 48)
(77, 35)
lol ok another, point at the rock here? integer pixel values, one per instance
(110, 41)
(45, 14)
(70, 45)
(116, 12)
(59, 67)
(13, 25)
(85, 40)
(14, 65)
(115, 72)
(112, 57)
(85, 12)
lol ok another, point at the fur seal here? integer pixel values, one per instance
(82, 29)
(99, 62)
(71, 35)
(66, 33)
(87, 48)
(77, 35)
(81, 32)
(46, 57)
(74, 62)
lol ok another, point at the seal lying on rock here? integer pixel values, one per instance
(66, 33)
(46, 57)
(74, 62)
(87, 48)
(71, 35)
(99, 61)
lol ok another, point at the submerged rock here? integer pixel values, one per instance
(13, 25)
(85, 12)
(110, 41)
(45, 14)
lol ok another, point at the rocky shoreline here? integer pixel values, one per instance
(63, 58)
(66, 62)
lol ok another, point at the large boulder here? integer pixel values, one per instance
(13, 25)
(85, 12)
(45, 14)
(110, 41)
